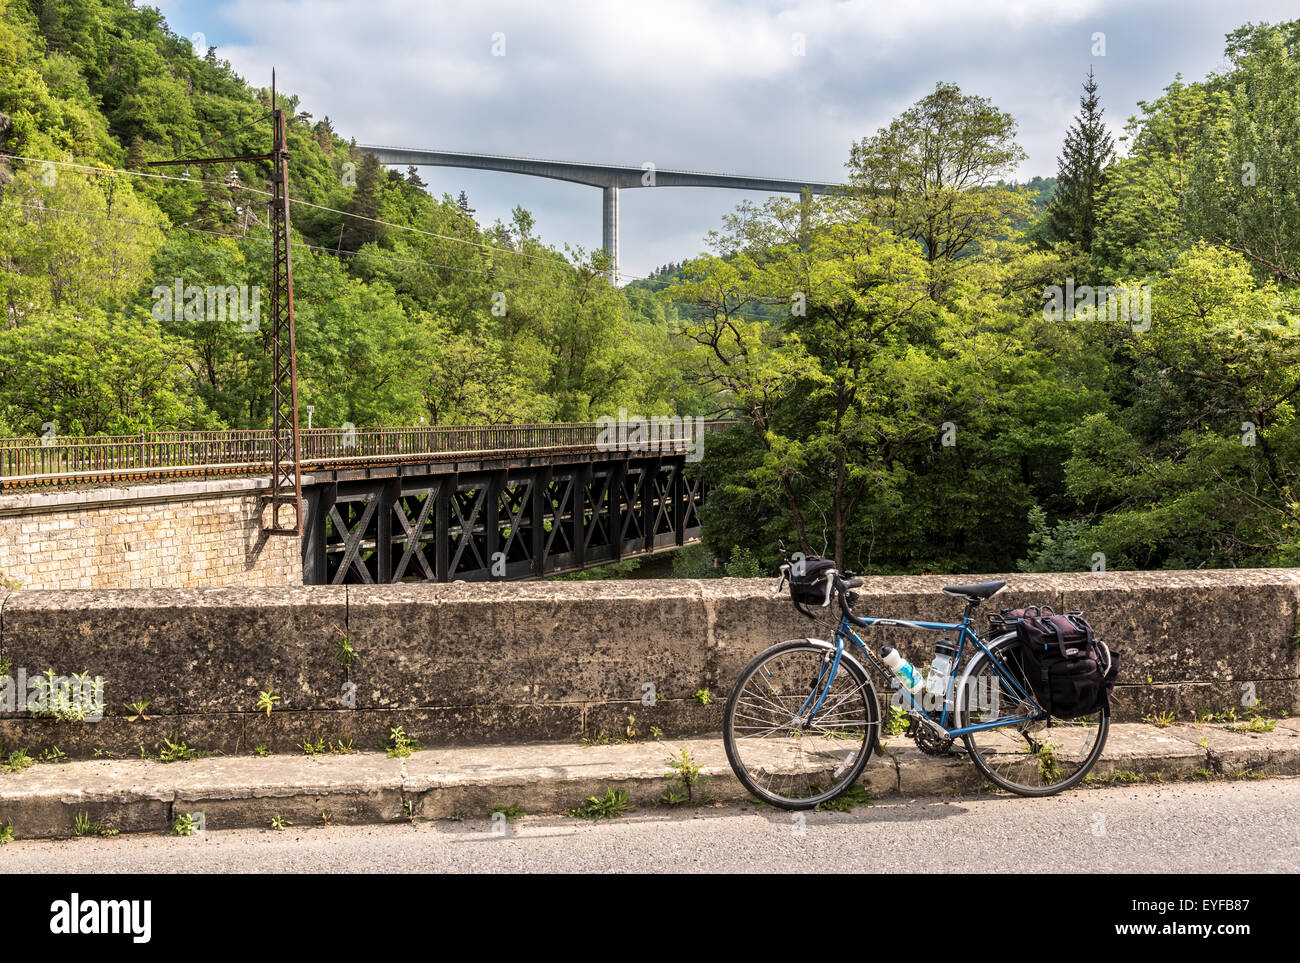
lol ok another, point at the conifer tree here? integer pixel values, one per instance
(365, 203)
(1081, 171)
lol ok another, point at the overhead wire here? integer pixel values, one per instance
(301, 203)
(223, 136)
(117, 170)
(40, 208)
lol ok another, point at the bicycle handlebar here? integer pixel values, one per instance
(839, 586)
(842, 586)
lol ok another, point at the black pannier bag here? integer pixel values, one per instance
(1071, 671)
(810, 582)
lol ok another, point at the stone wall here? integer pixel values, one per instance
(150, 536)
(477, 663)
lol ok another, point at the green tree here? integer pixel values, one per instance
(70, 239)
(932, 176)
(1201, 468)
(1243, 192)
(1081, 172)
(87, 372)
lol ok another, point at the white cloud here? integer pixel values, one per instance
(704, 86)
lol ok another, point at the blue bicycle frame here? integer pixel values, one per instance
(845, 632)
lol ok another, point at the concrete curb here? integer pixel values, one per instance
(231, 792)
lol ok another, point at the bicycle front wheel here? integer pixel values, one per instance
(795, 737)
(1023, 751)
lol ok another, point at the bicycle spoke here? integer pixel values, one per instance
(1032, 757)
(782, 755)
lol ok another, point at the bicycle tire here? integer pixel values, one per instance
(964, 717)
(861, 682)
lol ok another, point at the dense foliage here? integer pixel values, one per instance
(905, 402)
(918, 409)
(451, 322)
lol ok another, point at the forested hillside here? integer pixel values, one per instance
(906, 401)
(392, 325)
(922, 407)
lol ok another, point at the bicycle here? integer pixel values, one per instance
(796, 741)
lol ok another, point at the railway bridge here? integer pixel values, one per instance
(379, 504)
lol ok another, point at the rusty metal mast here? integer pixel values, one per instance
(286, 465)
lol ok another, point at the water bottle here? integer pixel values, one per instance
(936, 683)
(907, 676)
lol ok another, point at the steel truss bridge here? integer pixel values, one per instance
(425, 503)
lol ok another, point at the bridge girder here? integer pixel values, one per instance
(515, 522)
(609, 177)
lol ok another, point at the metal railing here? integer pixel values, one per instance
(98, 459)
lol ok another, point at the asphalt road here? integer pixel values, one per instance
(1247, 826)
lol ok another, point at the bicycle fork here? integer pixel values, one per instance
(828, 669)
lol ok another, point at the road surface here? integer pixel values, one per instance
(1245, 826)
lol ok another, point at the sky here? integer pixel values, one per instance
(776, 89)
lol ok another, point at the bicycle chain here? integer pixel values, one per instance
(929, 741)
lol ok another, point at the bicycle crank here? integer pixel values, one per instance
(930, 737)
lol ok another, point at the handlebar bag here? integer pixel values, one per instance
(808, 579)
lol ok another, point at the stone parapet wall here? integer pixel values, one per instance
(478, 663)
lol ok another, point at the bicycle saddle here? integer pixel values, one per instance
(977, 592)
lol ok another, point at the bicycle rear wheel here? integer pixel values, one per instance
(1038, 756)
(783, 752)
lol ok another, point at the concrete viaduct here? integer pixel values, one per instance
(609, 178)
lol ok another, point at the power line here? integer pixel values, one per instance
(115, 170)
(416, 230)
(297, 203)
(189, 180)
(220, 137)
(165, 229)
(322, 207)
(259, 240)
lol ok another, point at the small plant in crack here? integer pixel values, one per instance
(400, 745)
(685, 782)
(512, 812)
(17, 760)
(175, 750)
(847, 801)
(83, 825)
(1255, 721)
(344, 651)
(897, 722)
(266, 701)
(614, 803)
(137, 710)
